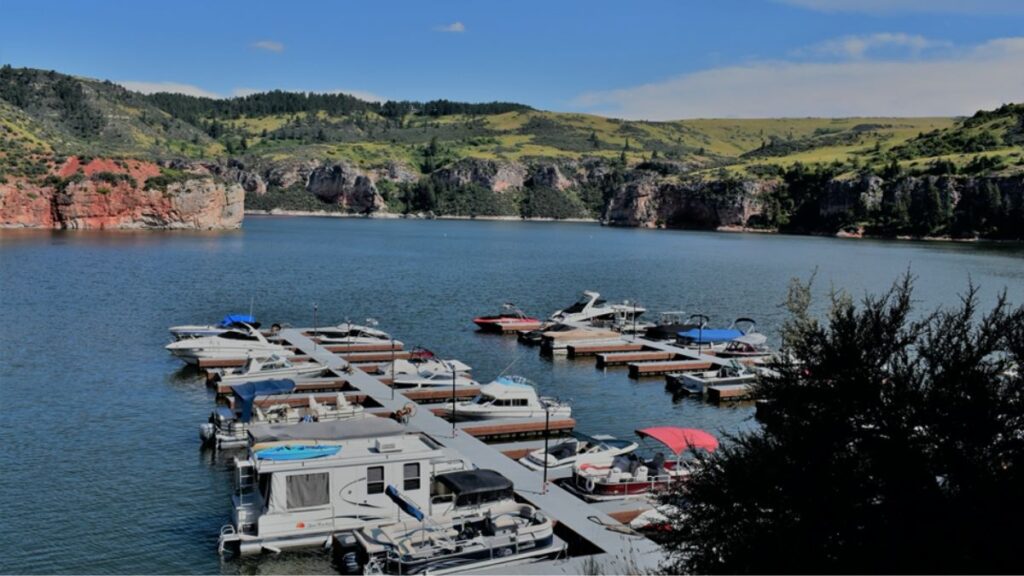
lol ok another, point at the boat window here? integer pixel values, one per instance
(520, 402)
(236, 336)
(375, 480)
(411, 472)
(308, 490)
(264, 485)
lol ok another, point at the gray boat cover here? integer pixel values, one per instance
(476, 486)
(365, 427)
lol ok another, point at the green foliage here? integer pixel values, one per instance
(890, 444)
(292, 198)
(550, 203)
(115, 178)
(169, 176)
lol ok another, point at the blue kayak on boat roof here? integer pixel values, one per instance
(297, 452)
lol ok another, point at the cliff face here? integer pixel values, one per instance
(104, 194)
(648, 201)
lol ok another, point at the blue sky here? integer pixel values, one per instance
(643, 59)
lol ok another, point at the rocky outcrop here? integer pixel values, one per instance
(106, 194)
(346, 186)
(648, 201)
(494, 175)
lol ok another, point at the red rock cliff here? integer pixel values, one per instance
(114, 194)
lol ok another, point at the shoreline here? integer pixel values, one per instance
(726, 229)
(418, 216)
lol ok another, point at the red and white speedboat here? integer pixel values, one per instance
(510, 319)
(632, 475)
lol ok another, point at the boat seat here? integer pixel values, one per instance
(504, 522)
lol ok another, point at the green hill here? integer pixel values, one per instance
(491, 158)
(48, 112)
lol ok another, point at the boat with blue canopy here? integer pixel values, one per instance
(228, 322)
(272, 402)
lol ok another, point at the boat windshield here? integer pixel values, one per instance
(235, 335)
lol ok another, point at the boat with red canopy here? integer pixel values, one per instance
(510, 319)
(632, 474)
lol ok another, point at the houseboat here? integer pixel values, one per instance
(302, 483)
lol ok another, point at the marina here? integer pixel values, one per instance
(148, 408)
(356, 418)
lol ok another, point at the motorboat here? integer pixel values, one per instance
(534, 337)
(424, 370)
(273, 402)
(631, 474)
(507, 397)
(229, 322)
(715, 339)
(266, 368)
(578, 449)
(510, 319)
(671, 323)
(591, 307)
(733, 373)
(352, 334)
(241, 342)
(484, 527)
(750, 345)
(285, 499)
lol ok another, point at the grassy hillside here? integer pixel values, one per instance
(46, 114)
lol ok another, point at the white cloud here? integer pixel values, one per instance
(859, 46)
(361, 94)
(981, 77)
(175, 87)
(896, 6)
(456, 27)
(269, 45)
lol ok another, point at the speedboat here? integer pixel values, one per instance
(301, 484)
(265, 368)
(671, 324)
(750, 345)
(272, 402)
(715, 339)
(632, 475)
(241, 342)
(507, 397)
(348, 333)
(423, 369)
(484, 527)
(510, 319)
(579, 449)
(698, 382)
(591, 307)
(534, 337)
(229, 322)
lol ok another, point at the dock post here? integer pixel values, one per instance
(547, 433)
(454, 377)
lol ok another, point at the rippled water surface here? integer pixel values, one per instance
(101, 470)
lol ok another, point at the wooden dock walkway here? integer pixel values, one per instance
(605, 360)
(581, 350)
(620, 553)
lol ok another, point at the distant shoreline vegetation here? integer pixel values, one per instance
(879, 177)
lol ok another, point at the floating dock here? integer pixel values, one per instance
(616, 550)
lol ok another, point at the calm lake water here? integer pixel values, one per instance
(101, 467)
